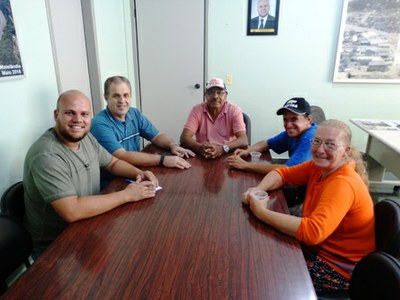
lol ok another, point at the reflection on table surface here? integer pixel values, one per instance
(194, 240)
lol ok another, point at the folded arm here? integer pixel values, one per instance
(241, 141)
(188, 141)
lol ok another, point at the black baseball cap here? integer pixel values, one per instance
(296, 105)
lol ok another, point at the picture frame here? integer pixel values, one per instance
(368, 49)
(269, 10)
(10, 57)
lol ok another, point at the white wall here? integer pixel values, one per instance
(299, 61)
(267, 70)
(27, 103)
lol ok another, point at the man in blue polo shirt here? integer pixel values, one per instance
(296, 139)
(119, 127)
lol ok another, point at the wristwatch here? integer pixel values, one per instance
(226, 148)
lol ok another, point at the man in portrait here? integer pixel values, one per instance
(264, 20)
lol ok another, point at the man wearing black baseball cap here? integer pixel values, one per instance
(296, 139)
(296, 105)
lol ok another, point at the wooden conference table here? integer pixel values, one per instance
(193, 240)
(384, 147)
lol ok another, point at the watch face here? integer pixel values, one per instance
(226, 148)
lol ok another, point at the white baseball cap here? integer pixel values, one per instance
(215, 82)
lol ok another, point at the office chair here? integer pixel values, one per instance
(387, 238)
(12, 201)
(387, 226)
(317, 113)
(376, 276)
(247, 121)
(15, 248)
(12, 204)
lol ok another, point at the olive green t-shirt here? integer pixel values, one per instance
(53, 171)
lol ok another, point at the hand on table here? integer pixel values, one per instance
(241, 152)
(235, 161)
(176, 162)
(147, 175)
(140, 190)
(211, 151)
(254, 203)
(182, 152)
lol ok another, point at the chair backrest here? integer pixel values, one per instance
(247, 121)
(387, 226)
(376, 276)
(12, 201)
(15, 247)
(317, 113)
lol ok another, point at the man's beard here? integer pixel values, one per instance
(70, 138)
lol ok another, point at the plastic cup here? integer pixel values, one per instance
(260, 195)
(255, 156)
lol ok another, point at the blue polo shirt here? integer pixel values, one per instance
(299, 149)
(114, 134)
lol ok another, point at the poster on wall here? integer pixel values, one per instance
(369, 42)
(263, 16)
(10, 58)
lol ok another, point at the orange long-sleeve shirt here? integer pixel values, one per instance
(338, 215)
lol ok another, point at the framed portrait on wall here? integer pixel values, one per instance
(369, 42)
(263, 16)
(10, 58)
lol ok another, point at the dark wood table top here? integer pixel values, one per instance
(194, 240)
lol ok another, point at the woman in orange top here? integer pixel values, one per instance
(337, 225)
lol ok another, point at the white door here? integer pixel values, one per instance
(171, 60)
(68, 42)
